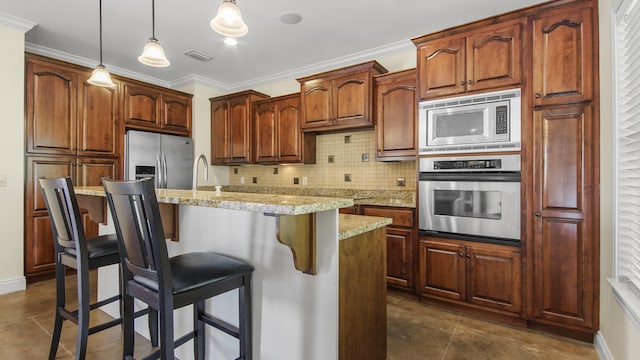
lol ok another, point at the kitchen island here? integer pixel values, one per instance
(322, 296)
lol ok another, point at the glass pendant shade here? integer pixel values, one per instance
(101, 77)
(153, 54)
(228, 20)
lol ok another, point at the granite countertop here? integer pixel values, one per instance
(267, 203)
(393, 198)
(352, 225)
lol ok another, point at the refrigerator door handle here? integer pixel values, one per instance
(164, 170)
(158, 171)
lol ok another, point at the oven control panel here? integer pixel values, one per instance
(485, 163)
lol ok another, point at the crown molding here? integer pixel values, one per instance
(381, 51)
(17, 23)
(90, 63)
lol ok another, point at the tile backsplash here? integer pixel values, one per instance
(344, 160)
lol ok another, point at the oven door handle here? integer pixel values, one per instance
(476, 177)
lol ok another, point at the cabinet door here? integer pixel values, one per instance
(441, 67)
(442, 270)
(494, 277)
(50, 109)
(316, 99)
(494, 57)
(288, 130)
(400, 257)
(39, 254)
(240, 130)
(352, 100)
(396, 108)
(564, 246)
(141, 106)
(97, 119)
(219, 132)
(90, 172)
(265, 132)
(563, 56)
(176, 113)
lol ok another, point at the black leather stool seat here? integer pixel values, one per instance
(199, 269)
(100, 246)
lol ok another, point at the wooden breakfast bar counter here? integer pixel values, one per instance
(319, 289)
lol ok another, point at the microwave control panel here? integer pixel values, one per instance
(502, 119)
(467, 164)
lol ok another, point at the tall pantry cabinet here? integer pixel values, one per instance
(71, 130)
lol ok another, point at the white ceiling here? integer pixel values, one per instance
(333, 33)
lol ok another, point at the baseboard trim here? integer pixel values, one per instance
(12, 285)
(601, 347)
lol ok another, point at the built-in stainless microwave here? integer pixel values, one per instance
(473, 123)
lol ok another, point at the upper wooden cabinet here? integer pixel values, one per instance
(339, 99)
(277, 134)
(67, 116)
(231, 127)
(151, 108)
(396, 108)
(486, 58)
(563, 55)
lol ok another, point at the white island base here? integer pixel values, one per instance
(295, 315)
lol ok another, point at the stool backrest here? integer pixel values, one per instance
(136, 217)
(66, 223)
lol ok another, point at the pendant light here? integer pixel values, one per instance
(153, 54)
(228, 20)
(100, 76)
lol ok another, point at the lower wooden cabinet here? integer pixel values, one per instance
(400, 244)
(485, 275)
(39, 251)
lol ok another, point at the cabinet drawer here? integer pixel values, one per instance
(401, 217)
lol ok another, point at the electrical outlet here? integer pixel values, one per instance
(365, 157)
(400, 182)
(254, 180)
(241, 180)
(296, 181)
(347, 177)
(3, 180)
(235, 171)
(331, 159)
(304, 180)
(275, 171)
(347, 139)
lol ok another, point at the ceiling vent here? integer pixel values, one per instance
(198, 55)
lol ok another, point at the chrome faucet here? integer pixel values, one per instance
(195, 170)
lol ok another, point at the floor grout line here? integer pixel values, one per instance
(60, 344)
(453, 333)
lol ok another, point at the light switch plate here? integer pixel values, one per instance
(3, 180)
(304, 180)
(241, 180)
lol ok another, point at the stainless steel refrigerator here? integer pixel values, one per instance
(166, 158)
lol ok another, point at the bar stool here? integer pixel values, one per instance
(170, 283)
(73, 250)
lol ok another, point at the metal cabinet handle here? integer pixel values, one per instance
(470, 82)
(469, 256)
(462, 82)
(538, 96)
(538, 214)
(461, 254)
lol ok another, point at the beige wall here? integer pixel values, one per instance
(616, 329)
(12, 164)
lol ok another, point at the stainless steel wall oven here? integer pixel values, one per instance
(474, 197)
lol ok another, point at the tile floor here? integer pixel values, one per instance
(415, 331)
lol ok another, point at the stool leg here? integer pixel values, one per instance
(60, 304)
(83, 312)
(198, 329)
(244, 299)
(127, 326)
(166, 329)
(153, 326)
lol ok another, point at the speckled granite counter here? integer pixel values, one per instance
(259, 202)
(395, 198)
(352, 225)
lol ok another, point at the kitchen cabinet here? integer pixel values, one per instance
(486, 276)
(486, 58)
(396, 108)
(400, 245)
(80, 119)
(231, 127)
(155, 109)
(277, 134)
(341, 99)
(563, 43)
(565, 244)
(39, 250)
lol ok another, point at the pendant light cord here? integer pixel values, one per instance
(101, 33)
(153, 19)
